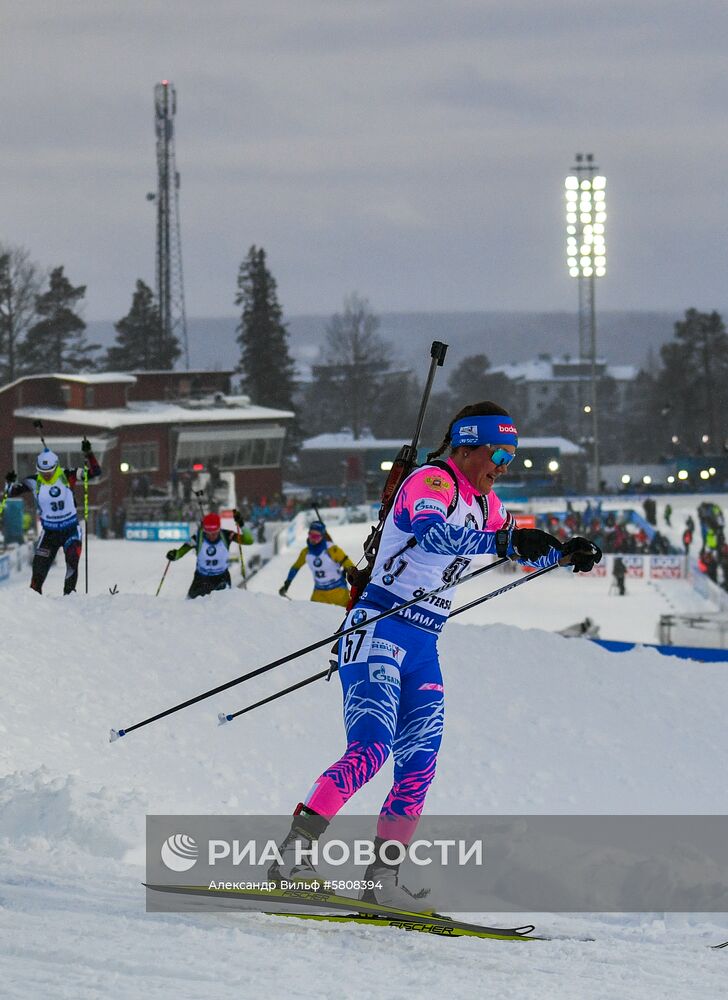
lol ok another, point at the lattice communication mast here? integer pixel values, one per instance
(170, 284)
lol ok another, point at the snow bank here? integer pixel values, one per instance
(535, 723)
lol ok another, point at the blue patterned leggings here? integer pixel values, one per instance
(393, 703)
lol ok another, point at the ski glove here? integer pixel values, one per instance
(10, 477)
(581, 554)
(532, 543)
(85, 446)
(237, 518)
(172, 555)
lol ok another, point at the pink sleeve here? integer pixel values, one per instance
(426, 494)
(498, 516)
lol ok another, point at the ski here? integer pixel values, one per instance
(371, 914)
(425, 923)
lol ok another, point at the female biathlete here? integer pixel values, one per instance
(444, 515)
(328, 564)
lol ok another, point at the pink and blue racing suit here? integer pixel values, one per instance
(390, 671)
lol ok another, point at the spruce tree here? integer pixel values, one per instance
(139, 336)
(693, 378)
(57, 342)
(265, 362)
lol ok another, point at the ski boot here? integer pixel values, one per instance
(389, 892)
(307, 826)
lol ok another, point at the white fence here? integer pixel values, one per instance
(15, 559)
(637, 567)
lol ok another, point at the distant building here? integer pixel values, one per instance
(330, 463)
(159, 425)
(347, 468)
(546, 380)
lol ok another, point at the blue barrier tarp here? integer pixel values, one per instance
(705, 654)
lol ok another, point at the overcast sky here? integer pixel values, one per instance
(412, 150)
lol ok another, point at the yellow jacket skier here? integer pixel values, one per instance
(328, 564)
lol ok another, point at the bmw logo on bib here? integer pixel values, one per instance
(55, 491)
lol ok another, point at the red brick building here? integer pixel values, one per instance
(159, 424)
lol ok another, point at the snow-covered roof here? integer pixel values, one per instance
(139, 413)
(541, 369)
(87, 378)
(95, 378)
(565, 446)
(345, 441)
(106, 378)
(183, 371)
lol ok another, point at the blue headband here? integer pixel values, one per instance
(484, 430)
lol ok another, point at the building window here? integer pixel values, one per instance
(230, 453)
(141, 456)
(90, 396)
(65, 395)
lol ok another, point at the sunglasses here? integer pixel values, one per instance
(501, 457)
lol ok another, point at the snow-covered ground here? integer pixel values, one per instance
(535, 723)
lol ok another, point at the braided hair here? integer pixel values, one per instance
(485, 409)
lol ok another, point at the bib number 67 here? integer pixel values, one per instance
(454, 570)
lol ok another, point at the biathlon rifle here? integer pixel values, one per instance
(404, 463)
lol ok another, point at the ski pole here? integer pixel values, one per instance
(116, 733)
(38, 424)
(506, 588)
(85, 516)
(318, 518)
(240, 549)
(223, 717)
(166, 568)
(200, 494)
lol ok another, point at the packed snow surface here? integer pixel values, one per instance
(535, 724)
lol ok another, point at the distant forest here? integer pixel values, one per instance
(361, 371)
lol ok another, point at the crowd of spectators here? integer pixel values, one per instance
(713, 557)
(612, 530)
(180, 501)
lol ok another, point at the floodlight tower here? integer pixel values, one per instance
(586, 255)
(170, 285)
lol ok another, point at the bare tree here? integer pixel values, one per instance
(20, 284)
(354, 357)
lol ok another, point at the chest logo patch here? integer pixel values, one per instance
(438, 483)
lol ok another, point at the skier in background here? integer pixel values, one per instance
(619, 571)
(52, 490)
(444, 515)
(328, 564)
(212, 545)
